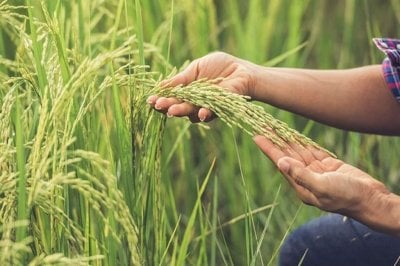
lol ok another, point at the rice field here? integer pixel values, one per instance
(91, 175)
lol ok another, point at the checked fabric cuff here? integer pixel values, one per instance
(391, 64)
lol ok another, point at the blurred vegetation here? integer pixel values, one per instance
(160, 165)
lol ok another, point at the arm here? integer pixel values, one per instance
(335, 186)
(353, 99)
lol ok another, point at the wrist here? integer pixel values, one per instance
(255, 81)
(380, 211)
(391, 210)
(249, 73)
(270, 85)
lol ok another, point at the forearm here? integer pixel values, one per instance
(354, 99)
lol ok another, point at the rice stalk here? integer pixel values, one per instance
(54, 92)
(59, 259)
(22, 210)
(12, 252)
(237, 110)
(10, 18)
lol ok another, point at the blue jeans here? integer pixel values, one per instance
(337, 240)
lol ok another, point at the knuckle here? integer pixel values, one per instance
(218, 53)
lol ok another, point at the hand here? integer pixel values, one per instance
(237, 74)
(323, 181)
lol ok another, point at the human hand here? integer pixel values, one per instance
(237, 74)
(325, 182)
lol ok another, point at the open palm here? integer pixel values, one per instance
(323, 181)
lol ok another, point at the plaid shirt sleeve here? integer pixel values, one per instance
(391, 64)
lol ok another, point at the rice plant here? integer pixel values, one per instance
(236, 110)
(90, 175)
(64, 197)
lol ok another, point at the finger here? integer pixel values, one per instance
(310, 155)
(182, 109)
(292, 153)
(303, 153)
(298, 184)
(162, 104)
(183, 78)
(178, 79)
(300, 174)
(284, 167)
(331, 164)
(152, 100)
(268, 148)
(205, 115)
(318, 153)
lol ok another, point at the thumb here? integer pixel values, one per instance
(290, 166)
(178, 79)
(298, 174)
(283, 165)
(187, 76)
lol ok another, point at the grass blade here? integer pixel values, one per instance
(22, 207)
(188, 231)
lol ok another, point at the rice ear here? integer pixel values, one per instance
(237, 110)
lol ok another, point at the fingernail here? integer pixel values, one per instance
(283, 166)
(202, 118)
(256, 137)
(169, 115)
(157, 107)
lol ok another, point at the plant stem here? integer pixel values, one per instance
(22, 211)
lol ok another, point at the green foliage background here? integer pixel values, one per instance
(160, 173)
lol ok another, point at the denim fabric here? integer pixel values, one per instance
(338, 240)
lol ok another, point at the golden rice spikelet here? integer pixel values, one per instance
(237, 110)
